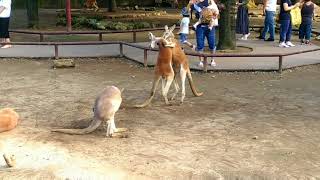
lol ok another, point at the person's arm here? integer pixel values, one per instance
(2, 8)
(286, 7)
(265, 2)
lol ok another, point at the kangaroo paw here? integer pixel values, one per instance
(119, 135)
(121, 130)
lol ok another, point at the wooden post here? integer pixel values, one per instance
(121, 49)
(68, 15)
(41, 37)
(145, 59)
(56, 52)
(100, 36)
(134, 36)
(280, 64)
(205, 63)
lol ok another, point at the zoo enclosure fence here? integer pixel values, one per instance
(145, 49)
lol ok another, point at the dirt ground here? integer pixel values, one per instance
(248, 125)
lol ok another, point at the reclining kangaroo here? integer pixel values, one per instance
(8, 121)
(105, 107)
(171, 60)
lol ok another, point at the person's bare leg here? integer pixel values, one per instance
(6, 40)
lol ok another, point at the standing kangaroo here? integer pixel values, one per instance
(8, 121)
(171, 60)
(105, 107)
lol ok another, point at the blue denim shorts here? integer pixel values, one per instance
(203, 32)
(183, 37)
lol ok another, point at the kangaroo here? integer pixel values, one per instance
(106, 105)
(170, 62)
(8, 121)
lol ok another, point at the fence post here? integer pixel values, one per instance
(205, 63)
(121, 49)
(134, 36)
(280, 64)
(41, 37)
(145, 59)
(100, 36)
(56, 52)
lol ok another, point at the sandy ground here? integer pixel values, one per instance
(247, 125)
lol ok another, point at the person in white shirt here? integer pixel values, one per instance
(269, 10)
(184, 28)
(5, 12)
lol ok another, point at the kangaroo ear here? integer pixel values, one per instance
(151, 36)
(172, 28)
(166, 28)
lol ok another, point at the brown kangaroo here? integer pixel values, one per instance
(8, 121)
(105, 107)
(170, 62)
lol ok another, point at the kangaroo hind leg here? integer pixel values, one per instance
(183, 74)
(167, 87)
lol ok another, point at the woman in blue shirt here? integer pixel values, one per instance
(285, 22)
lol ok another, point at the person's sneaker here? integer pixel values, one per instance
(269, 39)
(302, 42)
(247, 35)
(244, 38)
(200, 64)
(289, 44)
(284, 45)
(213, 64)
(260, 37)
(308, 42)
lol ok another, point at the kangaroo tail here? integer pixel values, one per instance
(194, 91)
(153, 91)
(93, 126)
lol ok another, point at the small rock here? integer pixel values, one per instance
(63, 63)
(213, 76)
(255, 137)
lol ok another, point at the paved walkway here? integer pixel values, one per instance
(223, 63)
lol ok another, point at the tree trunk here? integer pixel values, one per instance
(32, 12)
(227, 33)
(112, 5)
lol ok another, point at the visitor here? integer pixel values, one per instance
(269, 10)
(203, 31)
(5, 11)
(184, 28)
(285, 23)
(307, 8)
(242, 21)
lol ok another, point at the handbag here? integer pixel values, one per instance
(296, 16)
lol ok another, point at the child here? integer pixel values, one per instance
(307, 8)
(208, 15)
(184, 28)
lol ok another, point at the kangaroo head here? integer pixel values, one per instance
(168, 33)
